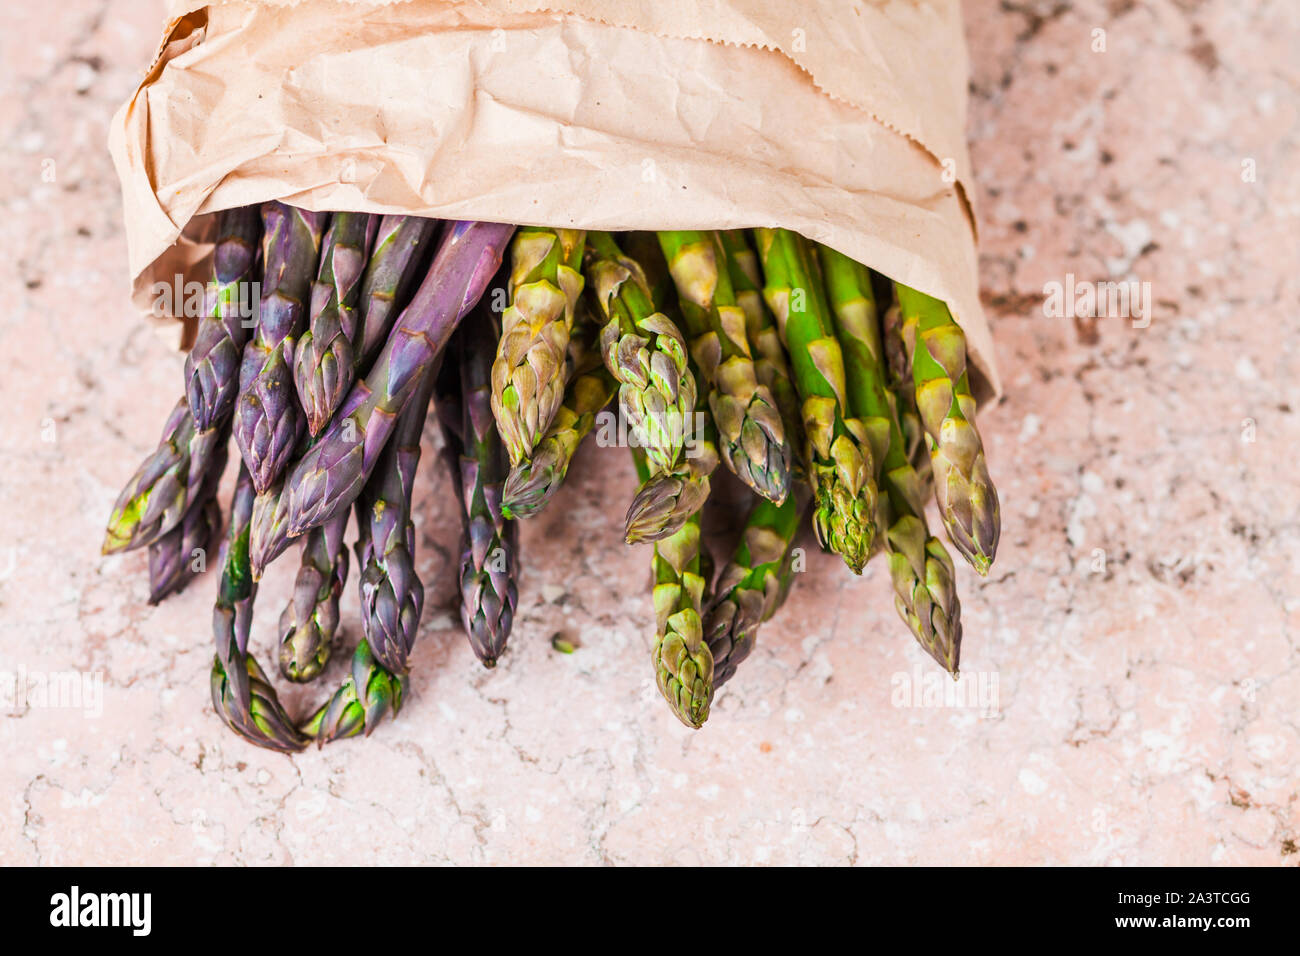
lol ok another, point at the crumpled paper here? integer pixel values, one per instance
(841, 119)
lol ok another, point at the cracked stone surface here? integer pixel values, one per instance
(1139, 627)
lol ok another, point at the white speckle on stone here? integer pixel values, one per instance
(709, 792)
(1092, 482)
(85, 77)
(552, 593)
(1082, 508)
(1133, 238)
(1246, 370)
(1029, 427)
(532, 814)
(1032, 783)
(793, 715)
(263, 776)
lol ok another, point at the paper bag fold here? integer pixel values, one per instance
(841, 120)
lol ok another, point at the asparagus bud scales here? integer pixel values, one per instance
(770, 363)
(367, 694)
(528, 375)
(392, 594)
(920, 570)
(535, 479)
(489, 541)
(752, 438)
(681, 659)
(329, 477)
(268, 419)
(754, 582)
(323, 357)
(241, 694)
(644, 350)
(167, 483)
(311, 618)
(212, 365)
(839, 465)
(967, 499)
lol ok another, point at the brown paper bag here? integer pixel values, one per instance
(841, 119)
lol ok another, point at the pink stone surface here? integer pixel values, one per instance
(1140, 623)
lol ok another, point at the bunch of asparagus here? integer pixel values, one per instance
(755, 349)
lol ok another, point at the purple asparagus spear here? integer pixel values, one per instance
(323, 356)
(329, 477)
(392, 595)
(212, 365)
(268, 419)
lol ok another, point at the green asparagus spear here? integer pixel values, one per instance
(922, 574)
(682, 662)
(836, 447)
(528, 376)
(754, 583)
(899, 369)
(968, 502)
(752, 437)
(536, 478)
(644, 350)
(666, 500)
(770, 363)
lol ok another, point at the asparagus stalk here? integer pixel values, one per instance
(922, 574)
(752, 437)
(770, 363)
(899, 369)
(836, 447)
(330, 476)
(268, 419)
(392, 595)
(212, 365)
(323, 357)
(241, 694)
(534, 479)
(366, 695)
(399, 249)
(489, 541)
(311, 618)
(754, 583)
(166, 484)
(968, 502)
(644, 350)
(528, 378)
(682, 661)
